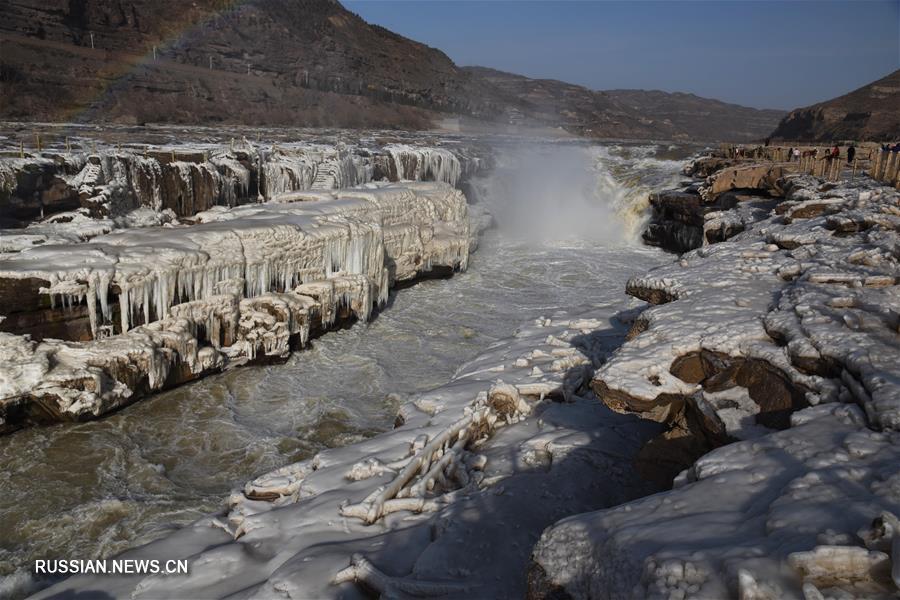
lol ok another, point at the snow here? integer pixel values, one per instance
(809, 290)
(786, 292)
(769, 518)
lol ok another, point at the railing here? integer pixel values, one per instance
(886, 168)
(868, 159)
(829, 168)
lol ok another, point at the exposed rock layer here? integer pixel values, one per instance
(868, 113)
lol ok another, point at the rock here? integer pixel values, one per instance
(762, 177)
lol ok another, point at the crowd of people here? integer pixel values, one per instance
(796, 154)
(834, 153)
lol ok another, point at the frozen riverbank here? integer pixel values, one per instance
(790, 324)
(182, 451)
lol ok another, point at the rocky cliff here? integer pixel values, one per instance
(869, 113)
(303, 62)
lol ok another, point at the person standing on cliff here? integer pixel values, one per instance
(836, 151)
(851, 153)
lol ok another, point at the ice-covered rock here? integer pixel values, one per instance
(775, 516)
(164, 305)
(795, 312)
(792, 324)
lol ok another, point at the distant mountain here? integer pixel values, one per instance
(700, 118)
(629, 113)
(301, 63)
(871, 113)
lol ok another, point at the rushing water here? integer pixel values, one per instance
(568, 217)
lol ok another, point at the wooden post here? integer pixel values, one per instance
(855, 165)
(68, 147)
(21, 149)
(37, 138)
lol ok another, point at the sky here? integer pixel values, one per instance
(765, 54)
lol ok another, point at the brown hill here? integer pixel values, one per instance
(871, 113)
(629, 113)
(297, 62)
(701, 118)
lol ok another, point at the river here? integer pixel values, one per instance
(568, 221)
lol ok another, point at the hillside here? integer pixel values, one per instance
(870, 113)
(630, 113)
(697, 117)
(298, 62)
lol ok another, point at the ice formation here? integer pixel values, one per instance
(168, 304)
(110, 183)
(420, 164)
(484, 462)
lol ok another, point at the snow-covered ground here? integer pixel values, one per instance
(793, 325)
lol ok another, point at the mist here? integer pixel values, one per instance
(554, 193)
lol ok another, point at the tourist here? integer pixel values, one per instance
(836, 151)
(790, 154)
(797, 153)
(851, 154)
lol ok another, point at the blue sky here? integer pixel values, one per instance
(767, 54)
